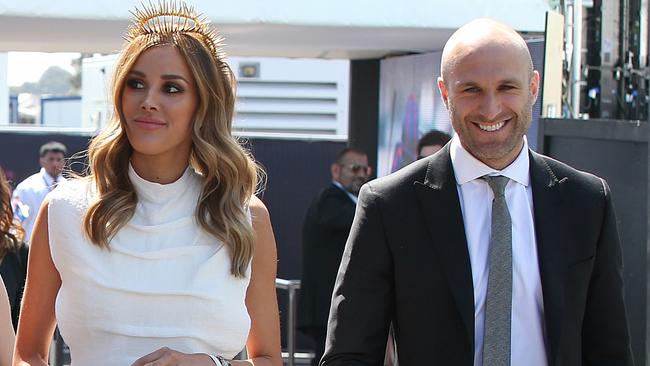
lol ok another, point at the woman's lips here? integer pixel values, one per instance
(149, 123)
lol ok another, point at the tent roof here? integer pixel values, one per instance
(291, 28)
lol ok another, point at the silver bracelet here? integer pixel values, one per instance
(219, 361)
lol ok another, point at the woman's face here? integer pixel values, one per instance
(159, 99)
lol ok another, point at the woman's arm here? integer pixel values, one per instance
(37, 320)
(264, 339)
(6, 328)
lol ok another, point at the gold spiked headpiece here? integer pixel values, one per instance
(167, 18)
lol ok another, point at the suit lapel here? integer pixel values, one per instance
(440, 206)
(550, 231)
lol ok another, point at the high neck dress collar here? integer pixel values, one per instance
(156, 192)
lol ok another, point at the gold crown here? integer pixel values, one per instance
(170, 17)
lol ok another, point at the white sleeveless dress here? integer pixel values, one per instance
(163, 282)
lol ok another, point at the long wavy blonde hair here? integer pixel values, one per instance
(230, 176)
(11, 232)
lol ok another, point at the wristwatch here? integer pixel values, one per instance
(219, 361)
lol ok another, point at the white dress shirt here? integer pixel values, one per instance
(31, 192)
(527, 335)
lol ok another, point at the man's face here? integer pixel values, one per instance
(53, 163)
(489, 93)
(352, 172)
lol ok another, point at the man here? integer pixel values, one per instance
(431, 142)
(325, 230)
(31, 192)
(470, 274)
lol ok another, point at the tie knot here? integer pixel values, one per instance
(497, 183)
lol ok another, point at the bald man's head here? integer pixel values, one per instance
(479, 34)
(489, 87)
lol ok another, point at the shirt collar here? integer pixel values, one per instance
(49, 180)
(352, 197)
(467, 167)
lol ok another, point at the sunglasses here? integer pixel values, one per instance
(356, 168)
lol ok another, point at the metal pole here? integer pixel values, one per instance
(642, 59)
(576, 60)
(645, 64)
(567, 110)
(291, 341)
(624, 113)
(291, 286)
(643, 34)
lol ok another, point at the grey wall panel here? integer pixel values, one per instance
(618, 152)
(297, 171)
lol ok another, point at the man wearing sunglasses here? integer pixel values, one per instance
(325, 231)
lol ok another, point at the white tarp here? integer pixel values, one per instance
(526, 15)
(288, 28)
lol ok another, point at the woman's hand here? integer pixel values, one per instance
(168, 357)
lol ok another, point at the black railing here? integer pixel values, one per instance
(290, 286)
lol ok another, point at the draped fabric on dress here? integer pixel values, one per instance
(163, 282)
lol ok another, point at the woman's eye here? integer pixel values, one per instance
(172, 88)
(135, 84)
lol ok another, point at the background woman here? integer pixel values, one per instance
(13, 253)
(163, 255)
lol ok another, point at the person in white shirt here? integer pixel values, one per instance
(29, 194)
(485, 253)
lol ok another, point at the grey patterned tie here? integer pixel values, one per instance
(498, 301)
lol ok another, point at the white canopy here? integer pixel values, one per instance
(290, 28)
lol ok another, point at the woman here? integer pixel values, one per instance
(163, 255)
(6, 331)
(13, 253)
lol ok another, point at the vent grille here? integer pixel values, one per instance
(290, 96)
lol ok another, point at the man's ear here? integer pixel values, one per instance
(534, 86)
(335, 170)
(41, 161)
(444, 93)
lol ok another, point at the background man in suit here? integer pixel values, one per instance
(420, 248)
(325, 230)
(431, 142)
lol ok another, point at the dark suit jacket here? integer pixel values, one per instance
(325, 231)
(407, 261)
(13, 270)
